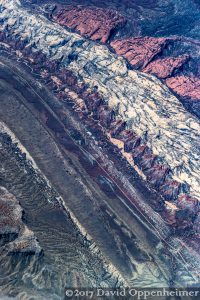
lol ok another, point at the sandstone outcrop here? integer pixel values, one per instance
(143, 53)
(95, 23)
(116, 128)
(165, 67)
(132, 106)
(139, 51)
(130, 139)
(186, 87)
(177, 219)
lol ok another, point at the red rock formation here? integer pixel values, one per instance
(179, 219)
(164, 67)
(158, 175)
(139, 50)
(52, 66)
(67, 77)
(38, 57)
(125, 135)
(95, 23)
(186, 87)
(169, 215)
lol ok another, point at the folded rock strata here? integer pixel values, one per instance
(162, 136)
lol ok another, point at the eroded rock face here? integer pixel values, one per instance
(185, 202)
(171, 189)
(139, 51)
(143, 53)
(95, 23)
(164, 67)
(15, 236)
(188, 90)
(186, 87)
(64, 82)
(143, 102)
(133, 107)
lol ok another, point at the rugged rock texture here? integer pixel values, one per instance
(188, 203)
(165, 67)
(139, 51)
(158, 175)
(148, 124)
(186, 87)
(65, 244)
(150, 110)
(145, 53)
(95, 23)
(162, 57)
(57, 128)
(15, 235)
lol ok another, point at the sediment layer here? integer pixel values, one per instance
(144, 115)
(95, 23)
(15, 235)
(162, 57)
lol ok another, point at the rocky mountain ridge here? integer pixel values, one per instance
(111, 144)
(144, 53)
(161, 133)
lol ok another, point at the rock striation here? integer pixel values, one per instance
(146, 54)
(143, 53)
(134, 107)
(16, 237)
(165, 67)
(95, 23)
(139, 51)
(186, 87)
